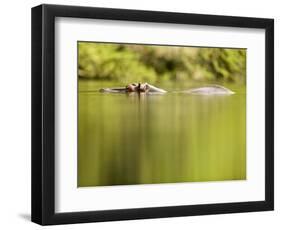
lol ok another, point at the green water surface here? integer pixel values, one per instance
(143, 139)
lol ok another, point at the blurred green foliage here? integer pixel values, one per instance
(146, 63)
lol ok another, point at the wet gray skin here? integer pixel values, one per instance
(147, 88)
(134, 88)
(210, 90)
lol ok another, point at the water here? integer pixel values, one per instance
(144, 139)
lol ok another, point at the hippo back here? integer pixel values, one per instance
(210, 90)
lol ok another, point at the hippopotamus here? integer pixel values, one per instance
(150, 89)
(134, 88)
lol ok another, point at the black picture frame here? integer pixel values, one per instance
(43, 114)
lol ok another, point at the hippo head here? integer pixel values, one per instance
(143, 87)
(132, 87)
(137, 87)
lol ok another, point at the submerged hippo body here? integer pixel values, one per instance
(210, 90)
(150, 89)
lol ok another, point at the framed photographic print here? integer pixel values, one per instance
(142, 114)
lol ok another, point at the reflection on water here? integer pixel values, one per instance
(130, 139)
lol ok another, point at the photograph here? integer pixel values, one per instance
(140, 114)
(154, 113)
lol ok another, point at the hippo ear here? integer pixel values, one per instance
(146, 86)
